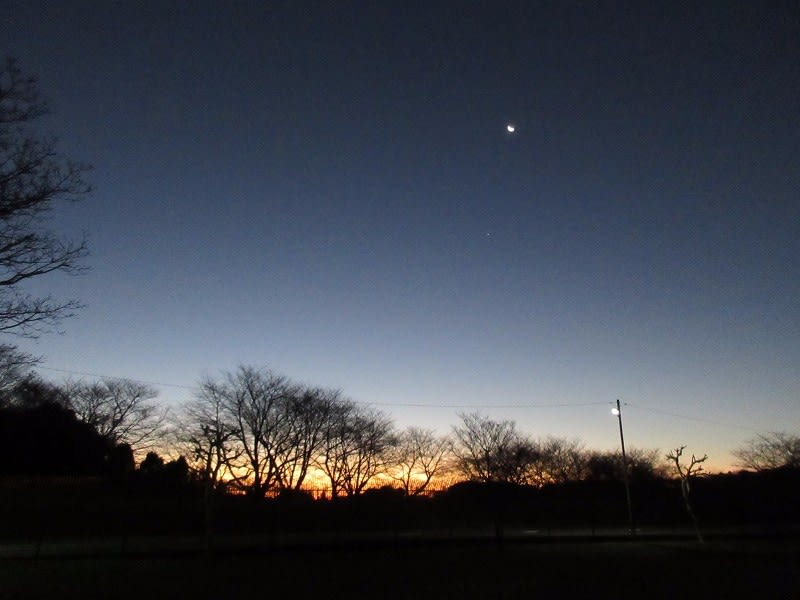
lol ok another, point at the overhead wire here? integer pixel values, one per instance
(387, 404)
(688, 418)
(194, 388)
(117, 378)
(553, 405)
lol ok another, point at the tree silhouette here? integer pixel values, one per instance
(417, 457)
(643, 465)
(355, 448)
(165, 475)
(33, 178)
(151, 465)
(45, 438)
(206, 436)
(31, 391)
(770, 451)
(14, 367)
(686, 473)
(556, 460)
(492, 451)
(250, 430)
(120, 410)
(210, 440)
(308, 412)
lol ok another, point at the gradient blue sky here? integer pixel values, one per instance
(328, 189)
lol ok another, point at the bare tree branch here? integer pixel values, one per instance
(14, 367)
(33, 177)
(686, 473)
(308, 412)
(418, 456)
(770, 451)
(120, 410)
(491, 451)
(356, 442)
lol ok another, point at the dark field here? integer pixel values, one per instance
(651, 570)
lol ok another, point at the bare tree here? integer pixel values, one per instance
(646, 463)
(206, 437)
(770, 451)
(255, 404)
(121, 410)
(33, 177)
(686, 473)
(31, 390)
(487, 450)
(557, 460)
(265, 433)
(643, 464)
(355, 447)
(307, 414)
(417, 457)
(211, 444)
(15, 366)
(335, 445)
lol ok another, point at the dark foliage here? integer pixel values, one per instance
(47, 439)
(155, 473)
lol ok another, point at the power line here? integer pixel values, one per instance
(554, 405)
(193, 388)
(689, 418)
(387, 404)
(421, 405)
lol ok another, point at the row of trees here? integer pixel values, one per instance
(257, 432)
(260, 433)
(495, 451)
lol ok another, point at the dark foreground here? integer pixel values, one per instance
(620, 569)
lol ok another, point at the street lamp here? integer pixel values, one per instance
(617, 412)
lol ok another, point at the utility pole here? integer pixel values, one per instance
(618, 412)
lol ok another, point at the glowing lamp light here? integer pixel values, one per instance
(615, 411)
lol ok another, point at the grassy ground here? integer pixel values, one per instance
(763, 569)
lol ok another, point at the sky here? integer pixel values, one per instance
(329, 190)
